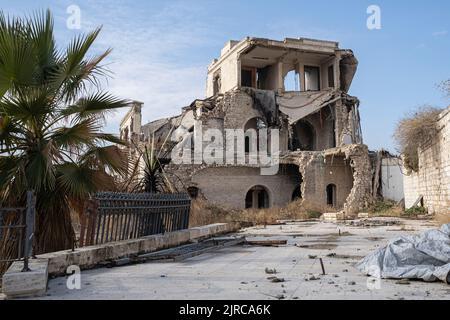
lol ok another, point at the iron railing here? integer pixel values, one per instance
(121, 216)
(17, 232)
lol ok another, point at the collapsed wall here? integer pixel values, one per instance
(352, 180)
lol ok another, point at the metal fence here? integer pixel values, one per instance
(120, 216)
(17, 232)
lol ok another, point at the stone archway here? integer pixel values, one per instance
(304, 136)
(257, 198)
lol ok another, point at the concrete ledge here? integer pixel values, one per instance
(18, 284)
(89, 257)
(332, 216)
(363, 215)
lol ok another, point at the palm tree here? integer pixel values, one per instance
(52, 110)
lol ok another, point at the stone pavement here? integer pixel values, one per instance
(239, 272)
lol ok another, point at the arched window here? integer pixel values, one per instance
(331, 195)
(304, 136)
(292, 81)
(257, 198)
(251, 128)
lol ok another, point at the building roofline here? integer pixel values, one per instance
(300, 44)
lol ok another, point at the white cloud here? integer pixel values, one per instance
(147, 59)
(440, 33)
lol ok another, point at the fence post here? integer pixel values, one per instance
(29, 229)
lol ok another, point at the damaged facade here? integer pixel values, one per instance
(298, 86)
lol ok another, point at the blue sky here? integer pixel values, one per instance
(162, 48)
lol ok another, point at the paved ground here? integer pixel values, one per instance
(239, 272)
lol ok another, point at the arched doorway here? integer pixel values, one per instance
(257, 198)
(193, 192)
(252, 127)
(297, 193)
(304, 136)
(331, 195)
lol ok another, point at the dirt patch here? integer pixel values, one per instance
(373, 223)
(344, 256)
(375, 238)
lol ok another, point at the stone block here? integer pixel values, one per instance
(18, 284)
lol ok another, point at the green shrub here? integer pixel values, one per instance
(382, 206)
(313, 214)
(416, 211)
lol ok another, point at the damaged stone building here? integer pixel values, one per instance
(298, 86)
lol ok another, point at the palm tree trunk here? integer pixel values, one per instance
(54, 231)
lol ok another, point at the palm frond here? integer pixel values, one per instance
(76, 136)
(110, 158)
(98, 104)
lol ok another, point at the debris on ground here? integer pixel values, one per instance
(425, 256)
(266, 243)
(402, 281)
(270, 271)
(311, 256)
(275, 279)
(373, 223)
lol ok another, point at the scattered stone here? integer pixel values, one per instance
(312, 278)
(243, 282)
(275, 279)
(336, 275)
(295, 298)
(163, 276)
(345, 270)
(312, 256)
(352, 283)
(270, 271)
(332, 254)
(330, 282)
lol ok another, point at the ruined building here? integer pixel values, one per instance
(298, 86)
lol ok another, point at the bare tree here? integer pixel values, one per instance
(413, 131)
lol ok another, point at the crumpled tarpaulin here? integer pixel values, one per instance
(425, 256)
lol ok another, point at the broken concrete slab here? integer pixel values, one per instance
(33, 283)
